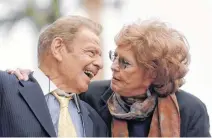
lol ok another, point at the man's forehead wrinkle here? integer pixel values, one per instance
(92, 40)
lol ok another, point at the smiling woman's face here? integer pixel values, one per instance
(129, 80)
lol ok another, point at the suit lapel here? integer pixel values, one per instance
(34, 97)
(105, 96)
(104, 111)
(88, 123)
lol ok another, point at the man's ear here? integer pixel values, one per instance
(57, 48)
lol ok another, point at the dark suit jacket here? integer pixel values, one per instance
(194, 116)
(24, 112)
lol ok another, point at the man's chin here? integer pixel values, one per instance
(83, 88)
(80, 89)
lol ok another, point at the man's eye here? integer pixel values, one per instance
(91, 53)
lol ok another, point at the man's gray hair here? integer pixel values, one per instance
(66, 28)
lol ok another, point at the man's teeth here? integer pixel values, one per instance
(89, 74)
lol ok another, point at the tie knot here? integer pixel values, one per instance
(64, 101)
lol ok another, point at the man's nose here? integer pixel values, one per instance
(98, 62)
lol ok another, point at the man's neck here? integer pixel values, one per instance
(55, 77)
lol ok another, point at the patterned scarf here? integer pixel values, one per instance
(165, 120)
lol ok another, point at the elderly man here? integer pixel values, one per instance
(69, 57)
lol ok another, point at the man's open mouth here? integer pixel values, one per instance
(89, 74)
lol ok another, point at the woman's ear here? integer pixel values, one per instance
(150, 76)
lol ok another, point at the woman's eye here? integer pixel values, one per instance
(125, 62)
(115, 55)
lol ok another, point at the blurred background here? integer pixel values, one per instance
(21, 21)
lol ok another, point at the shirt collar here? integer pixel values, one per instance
(45, 83)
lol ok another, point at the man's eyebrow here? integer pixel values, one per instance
(97, 49)
(96, 42)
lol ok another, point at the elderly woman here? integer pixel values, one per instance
(143, 97)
